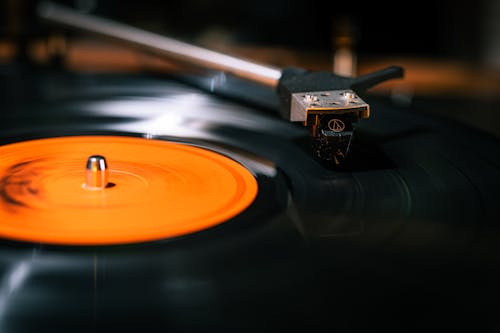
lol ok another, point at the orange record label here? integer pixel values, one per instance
(155, 190)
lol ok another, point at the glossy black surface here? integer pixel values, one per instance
(404, 238)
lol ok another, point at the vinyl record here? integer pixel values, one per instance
(404, 237)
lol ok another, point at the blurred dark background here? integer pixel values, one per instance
(462, 30)
(427, 28)
(437, 28)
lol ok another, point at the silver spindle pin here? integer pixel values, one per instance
(96, 173)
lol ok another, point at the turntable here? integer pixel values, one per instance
(192, 202)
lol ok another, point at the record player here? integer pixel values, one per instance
(185, 200)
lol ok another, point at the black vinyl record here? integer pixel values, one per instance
(403, 237)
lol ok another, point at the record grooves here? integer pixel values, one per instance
(402, 238)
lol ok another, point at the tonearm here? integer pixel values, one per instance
(327, 103)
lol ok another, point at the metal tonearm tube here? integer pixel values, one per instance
(327, 103)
